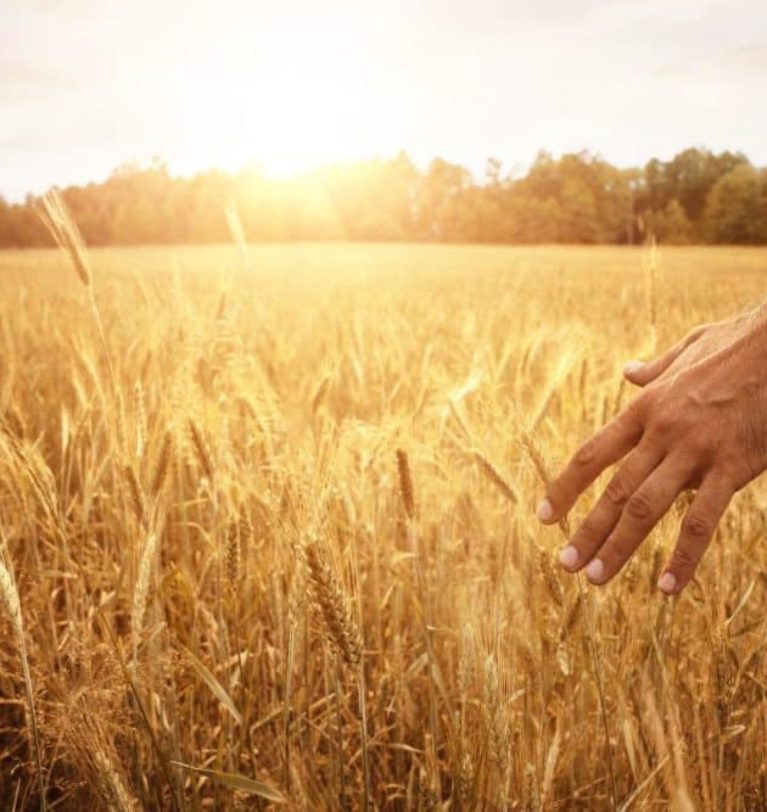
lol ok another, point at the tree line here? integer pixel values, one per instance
(697, 197)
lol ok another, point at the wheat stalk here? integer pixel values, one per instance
(201, 450)
(136, 493)
(10, 597)
(550, 767)
(651, 287)
(56, 218)
(161, 467)
(141, 590)
(496, 477)
(237, 233)
(539, 463)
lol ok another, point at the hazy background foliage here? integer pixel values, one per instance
(697, 197)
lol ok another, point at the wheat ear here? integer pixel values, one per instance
(141, 591)
(405, 483)
(162, 465)
(496, 477)
(201, 450)
(333, 604)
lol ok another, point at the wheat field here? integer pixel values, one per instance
(269, 538)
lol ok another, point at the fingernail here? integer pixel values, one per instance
(545, 511)
(595, 571)
(632, 367)
(667, 583)
(568, 558)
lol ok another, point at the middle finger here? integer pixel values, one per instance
(591, 535)
(642, 512)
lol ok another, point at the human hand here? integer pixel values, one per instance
(700, 422)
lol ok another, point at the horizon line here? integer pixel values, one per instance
(513, 169)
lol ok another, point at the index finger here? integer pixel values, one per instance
(606, 447)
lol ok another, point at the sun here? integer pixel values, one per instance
(287, 114)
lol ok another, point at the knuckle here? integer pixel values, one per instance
(619, 549)
(586, 453)
(587, 531)
(697, 445)
(641, 408)
(682, 559)
(699, 453)
(616, 493)
(589, 537)
(639, 507)
(697, 526)
(662, 424)
(632, 415)
(729, 468)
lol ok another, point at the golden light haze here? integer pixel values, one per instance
(85, 86)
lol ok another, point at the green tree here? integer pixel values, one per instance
(442, 210)
(671, 225)
(687, 178)
(578, 198)
(736, 209)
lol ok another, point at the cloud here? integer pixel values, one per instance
(86, 84)
(22, 79)
(733, 66)
(749, 61)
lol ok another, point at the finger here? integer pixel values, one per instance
(642, 512)
(591, 535)
(606, 447)
(641, 373)
(697, 530)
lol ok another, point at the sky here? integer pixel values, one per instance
(88, 85)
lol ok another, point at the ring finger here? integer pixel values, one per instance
(603, 517)
(642, 512)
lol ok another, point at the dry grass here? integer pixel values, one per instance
(287, 554)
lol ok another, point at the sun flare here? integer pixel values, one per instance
(285, 111)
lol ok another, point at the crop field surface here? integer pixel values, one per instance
(268, 535)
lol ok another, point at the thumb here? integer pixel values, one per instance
(643, 372)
